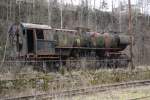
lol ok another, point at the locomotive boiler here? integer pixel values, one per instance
(41, 42)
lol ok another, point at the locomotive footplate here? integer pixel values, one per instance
(41, 57)
(88, 48)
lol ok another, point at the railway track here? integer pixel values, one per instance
(141, 98)
(81, 91)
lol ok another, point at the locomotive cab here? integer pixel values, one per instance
(32, 40)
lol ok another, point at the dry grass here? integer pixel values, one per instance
(40, 82)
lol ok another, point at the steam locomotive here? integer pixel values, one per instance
(68, 47)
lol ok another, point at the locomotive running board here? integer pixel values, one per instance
(88, 48)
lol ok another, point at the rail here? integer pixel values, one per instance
(141, 98)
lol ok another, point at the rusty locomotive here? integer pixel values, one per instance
(41, 42)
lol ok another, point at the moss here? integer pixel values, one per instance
(2, 86)
(45, 85)
(20, 84)
(32, 83)
(94, 82)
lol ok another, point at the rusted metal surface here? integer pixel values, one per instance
(42, 56)
(124, 39)
(65, 30)
(88, 48)
(45, 46)
(36, 26)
